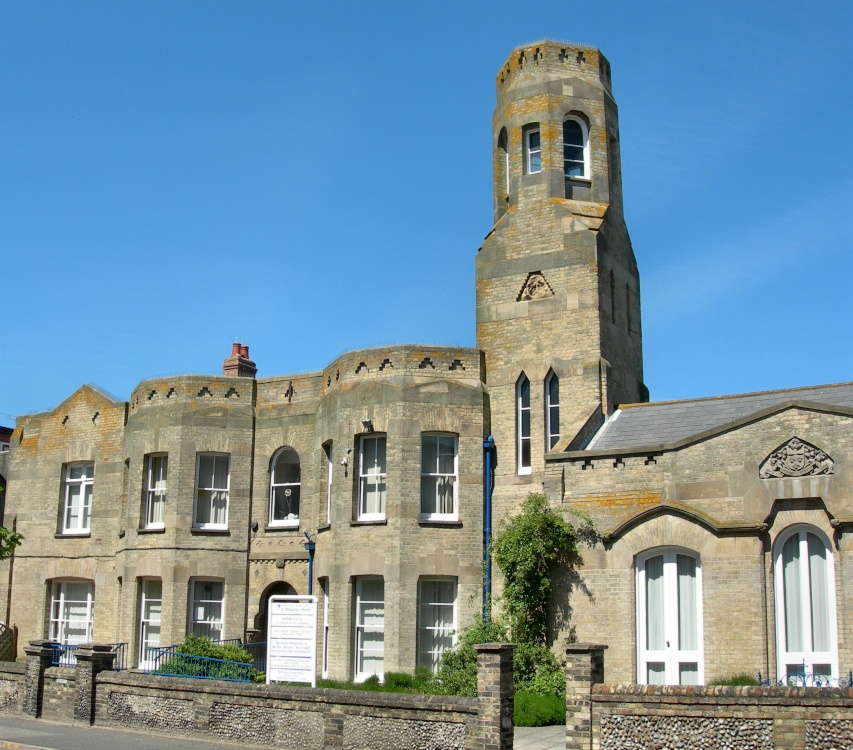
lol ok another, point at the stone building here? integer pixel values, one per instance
(725, 523)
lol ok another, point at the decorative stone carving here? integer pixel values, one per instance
(536, 287)
(796, 458)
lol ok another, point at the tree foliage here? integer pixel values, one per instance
(9, 541)
(527, 549)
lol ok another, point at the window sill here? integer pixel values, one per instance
(325, 527)
(377, 522)
(153, 530)
(587, 180)
(282, 527)
(72, 535)
(449, 522)
(210, 532)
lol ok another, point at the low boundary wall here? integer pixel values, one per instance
(264, 715)
(630, 717)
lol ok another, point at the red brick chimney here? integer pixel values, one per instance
(238, 365)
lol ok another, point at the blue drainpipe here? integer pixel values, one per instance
(488, 451)
(310, 546)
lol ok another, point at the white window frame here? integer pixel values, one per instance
(60, 620)
(4, 447)
(203, 603)
(361, 627)
(84, 486)
(330, 475)
(808, 657)
(532, 153)
(585, 177)
(433, 479)
(368, 475)
(429, 654)
(671, 655)
(207, 492)
(523, 436)
(324, 669)
(150, 619)
(503, 145)
(157, 476)
(285, 523)
(552, 412)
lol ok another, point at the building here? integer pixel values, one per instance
(725, 523)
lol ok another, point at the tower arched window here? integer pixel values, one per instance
(285, 485)
(669, 618)
(503, 161)
(552, 409)
(522, 398)
(575, 148)
(806, 631)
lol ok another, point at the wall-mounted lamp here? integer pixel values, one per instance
(254, 525)
(367, 424)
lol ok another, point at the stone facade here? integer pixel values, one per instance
(191, 481)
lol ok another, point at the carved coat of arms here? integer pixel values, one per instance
(796, 458)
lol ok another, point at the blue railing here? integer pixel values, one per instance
(801, 678)
(169, 662)
(259, 654)
(65, 655)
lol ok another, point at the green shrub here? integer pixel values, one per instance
(737, 679)
(196, 645)
(457, 674)
(535, 710)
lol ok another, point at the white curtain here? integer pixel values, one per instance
(654, 605)
(819, 585)
(792, 593)
(687, 605)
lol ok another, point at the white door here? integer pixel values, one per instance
(669, 618)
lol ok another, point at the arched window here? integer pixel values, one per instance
(575, 148)
(805, 607)
(284, 488)
(552, 409)
(522, 397)
(503, 161)
(669, 618)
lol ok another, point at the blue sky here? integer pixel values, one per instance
(311, 178)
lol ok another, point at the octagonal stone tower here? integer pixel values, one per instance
(558, 295)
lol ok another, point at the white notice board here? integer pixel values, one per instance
(292, 639)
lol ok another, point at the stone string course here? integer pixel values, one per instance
(642, 732)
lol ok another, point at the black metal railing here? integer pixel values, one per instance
(802, 678)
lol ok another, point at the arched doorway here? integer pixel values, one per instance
(279, 588)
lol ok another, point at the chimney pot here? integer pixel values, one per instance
(244, 351)
(235, 349)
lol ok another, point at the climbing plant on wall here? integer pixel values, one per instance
(528, 549)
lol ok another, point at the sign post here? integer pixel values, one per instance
(292, 639)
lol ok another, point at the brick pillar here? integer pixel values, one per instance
(496, 691)
(39, 656)
(92, 658)
(584, 668)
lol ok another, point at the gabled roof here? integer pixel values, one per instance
(666, 423)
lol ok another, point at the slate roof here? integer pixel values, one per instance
(638, 425)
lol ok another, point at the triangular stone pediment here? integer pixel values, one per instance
(536, 286)
(796, 458)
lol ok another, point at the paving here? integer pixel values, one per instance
(17, 733)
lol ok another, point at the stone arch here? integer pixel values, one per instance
(278, 588)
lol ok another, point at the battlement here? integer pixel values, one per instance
(550, 59)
